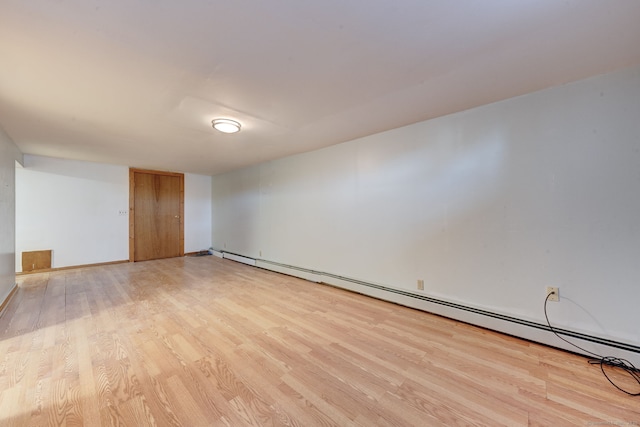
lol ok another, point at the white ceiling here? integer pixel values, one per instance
(138, 82)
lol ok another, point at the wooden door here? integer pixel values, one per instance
(155, 215)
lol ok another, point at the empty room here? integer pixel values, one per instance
(354, 213)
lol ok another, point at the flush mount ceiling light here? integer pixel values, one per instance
(226, 125)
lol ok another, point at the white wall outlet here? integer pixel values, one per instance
(122, 212)
(420, 285)
(556, 293)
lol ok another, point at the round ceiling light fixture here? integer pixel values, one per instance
(226, 125)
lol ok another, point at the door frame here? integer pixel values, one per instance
(132, 189)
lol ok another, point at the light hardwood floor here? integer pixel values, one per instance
(201, 341)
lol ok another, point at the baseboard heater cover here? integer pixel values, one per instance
(309, 275)
(526, 329)
(239, 258)
(217, 253)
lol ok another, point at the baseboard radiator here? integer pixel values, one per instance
(239, 258)
(526, 329)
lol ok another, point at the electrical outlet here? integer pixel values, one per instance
(260, 253)
(420, 285)
(556, 293)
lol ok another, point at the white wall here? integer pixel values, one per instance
(488, 206)
(9, 154)
(197, 212)
(73, 208)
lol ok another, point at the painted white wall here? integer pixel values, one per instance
(72, 207)
(9, 154)
(488, 206)
(197, 212)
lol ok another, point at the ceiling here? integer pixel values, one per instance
(138, 82)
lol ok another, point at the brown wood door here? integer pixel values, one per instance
(155, 215)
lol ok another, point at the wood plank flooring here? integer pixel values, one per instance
(200, 341)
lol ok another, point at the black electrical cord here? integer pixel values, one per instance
(603, 361)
